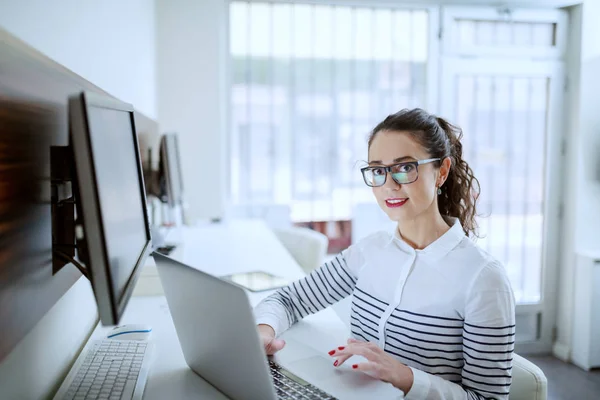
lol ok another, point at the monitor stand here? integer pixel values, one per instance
(166, 250)
(65, 226)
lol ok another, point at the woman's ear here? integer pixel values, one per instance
(444, 170)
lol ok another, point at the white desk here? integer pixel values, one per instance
(221, 249)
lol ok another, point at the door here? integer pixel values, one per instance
(508, 105)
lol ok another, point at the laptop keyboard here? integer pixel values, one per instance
(289, 386)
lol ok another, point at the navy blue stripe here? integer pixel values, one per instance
(367, 294)
(332, 299)
(422, 363)
(488, 343)
(289, 297)
(430, 316)
(329, 300)
(446, 373)
(285, 307)
(318, 289)
(486, 359)
(423, 348)
(481, 334)
(365, 310)
(347, 291)
(298, 298)
(356, 296)
(363, 331)
(363, 324)
(306, 294)
(350, 285)
(359, 334)
(484, 375)
(344, 260)
(363, 317)
(487, 352)
(486, 391)
(427, 357)
(329, 285)
(304, 282)
(424, 324)
(476, 396)
(352, 279)
(489, 327)
(488, 368)
(486, 384)
(423, 332)
(288, 308)
(424, 341)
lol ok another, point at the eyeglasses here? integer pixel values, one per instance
(402, 173)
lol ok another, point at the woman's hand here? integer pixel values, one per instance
(271, 344)
(380, 364)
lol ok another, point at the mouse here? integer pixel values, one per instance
(130, 332)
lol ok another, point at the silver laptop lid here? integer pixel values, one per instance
(216, 330)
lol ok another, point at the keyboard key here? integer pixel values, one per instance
(129, 388)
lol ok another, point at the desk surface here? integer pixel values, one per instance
(221, 249)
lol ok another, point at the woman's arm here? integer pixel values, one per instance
(488, 344)
(325, 286)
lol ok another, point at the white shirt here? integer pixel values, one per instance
(447, 311)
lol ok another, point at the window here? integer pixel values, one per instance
(503, 84)
(309, 83)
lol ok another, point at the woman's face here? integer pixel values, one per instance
(407, 201)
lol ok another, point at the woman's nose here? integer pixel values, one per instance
(390, 183)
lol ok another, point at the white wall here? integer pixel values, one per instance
(109, 43)
(582, 177)
(192, 50)
(38, 364)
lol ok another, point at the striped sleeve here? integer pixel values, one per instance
(488, 344)
(323, 287)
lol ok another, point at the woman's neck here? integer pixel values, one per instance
(423, 230)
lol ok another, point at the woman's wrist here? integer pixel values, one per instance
(404, 379)
(266, 329)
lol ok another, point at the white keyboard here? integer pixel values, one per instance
(108, 369)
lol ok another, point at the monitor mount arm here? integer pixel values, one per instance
(64, 222)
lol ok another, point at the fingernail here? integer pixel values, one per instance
(335, 364)
(332, 352)
(355, 366)
(341, 348)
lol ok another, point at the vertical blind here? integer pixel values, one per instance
(308, 84)
(504, 117)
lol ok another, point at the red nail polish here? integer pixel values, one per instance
(331, 352)
(341, 348)
(354, 366)
(335, 364)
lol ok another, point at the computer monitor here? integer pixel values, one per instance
(112, 228)
(170, 169)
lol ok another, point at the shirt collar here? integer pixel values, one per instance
(441, 246)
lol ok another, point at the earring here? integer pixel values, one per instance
(439, 191)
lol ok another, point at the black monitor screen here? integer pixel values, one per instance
(118, 184)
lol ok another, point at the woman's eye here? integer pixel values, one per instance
(406, 168)
(378, 171)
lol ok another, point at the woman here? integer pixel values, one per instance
(432, 312)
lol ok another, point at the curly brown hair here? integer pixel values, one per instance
(441, 139)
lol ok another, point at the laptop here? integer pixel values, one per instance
(217, 332)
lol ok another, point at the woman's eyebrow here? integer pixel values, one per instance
(396, 160)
